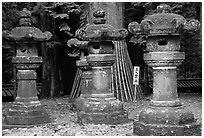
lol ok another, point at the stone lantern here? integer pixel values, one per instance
(86, 75)
(165, 115)
(26, 110)
(101, 107)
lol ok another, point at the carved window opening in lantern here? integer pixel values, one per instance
(162, 42)
(29, 49)
(105, 47)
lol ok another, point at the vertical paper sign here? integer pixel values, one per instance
(136, 75)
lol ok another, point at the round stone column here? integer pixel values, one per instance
(164, 86)
(26, 110)
(165, 115)
(164, 66)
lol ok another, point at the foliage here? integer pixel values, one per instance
(68, 16)
(10, 13)
(65, 11)
(191, 45)
(9, 16)
(7, 67)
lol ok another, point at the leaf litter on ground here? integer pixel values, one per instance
(64, 120)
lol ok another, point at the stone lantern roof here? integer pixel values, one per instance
(100, 31)
(76, 43)
(163, 22)
(26, 32)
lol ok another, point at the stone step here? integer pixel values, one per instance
(27, 120)
(143, 129)
(35, 112)
(117, 117)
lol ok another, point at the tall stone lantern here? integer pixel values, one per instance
(26, 110)
(165, 115)
(101, 107)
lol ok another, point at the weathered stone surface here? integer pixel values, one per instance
(165, 116)
(143, 129)
(100, 107)
(163, 22)
(27, 59)
(168, 56)
(86, 73)
(103, 118)
(86, 84)
(102, 111)
(26, 110)
(101, 59)
(165, 87)
(163, 43)
(27, 120)
(104, 105)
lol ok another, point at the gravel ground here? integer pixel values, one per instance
(65, 122)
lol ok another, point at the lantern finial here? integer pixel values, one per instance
(99, 17)
(25, 18)
(163, 8)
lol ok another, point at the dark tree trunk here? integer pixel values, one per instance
(114, 12)
(55, 80)
(46, 71)
(50, 70)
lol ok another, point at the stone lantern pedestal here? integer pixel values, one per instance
(86, 82)
(86, 78)
(165, 115)
(86, 75)
(26, 110)
(100, 106)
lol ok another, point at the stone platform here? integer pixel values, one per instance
(166, 121)
(101, 111)
(25, 114)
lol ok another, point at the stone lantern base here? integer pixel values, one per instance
(98, 110)
(166, 121)
(25, 113)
